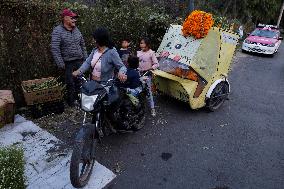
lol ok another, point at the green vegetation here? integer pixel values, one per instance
(12, 168)
(247, 12)
(26, 26)
(51, 83)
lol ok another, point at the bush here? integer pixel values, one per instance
(12, 168)
(26, 26)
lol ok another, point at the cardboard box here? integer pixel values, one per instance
(7, 107)
(2, 113)
(41, 96)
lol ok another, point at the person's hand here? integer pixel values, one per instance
(154, 67)
(144, 78)
(76, 73)
(122, 77)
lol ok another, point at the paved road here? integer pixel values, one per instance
(240, 146)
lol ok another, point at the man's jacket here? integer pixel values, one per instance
(67, 45)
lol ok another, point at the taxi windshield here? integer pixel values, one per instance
(264, 33)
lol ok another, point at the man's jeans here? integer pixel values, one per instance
(72, 84)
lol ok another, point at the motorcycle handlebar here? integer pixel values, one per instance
(148, 72)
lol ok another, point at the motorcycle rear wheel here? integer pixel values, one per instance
(140, 124)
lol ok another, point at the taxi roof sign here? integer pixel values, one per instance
(267, 26)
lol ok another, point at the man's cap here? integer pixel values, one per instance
(68, 12)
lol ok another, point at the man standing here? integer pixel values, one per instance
(68, 50)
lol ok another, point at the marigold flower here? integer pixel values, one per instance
(197, 24)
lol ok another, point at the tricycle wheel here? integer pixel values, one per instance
(218, 96)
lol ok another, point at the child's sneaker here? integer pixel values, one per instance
(153, 112)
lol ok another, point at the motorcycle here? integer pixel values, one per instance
(108, 109)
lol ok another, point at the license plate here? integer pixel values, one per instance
(255, 49)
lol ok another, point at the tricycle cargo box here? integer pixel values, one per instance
(195, 70)
(35, 91)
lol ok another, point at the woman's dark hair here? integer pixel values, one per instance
(147, 42)
(133, 62)
(102, 37)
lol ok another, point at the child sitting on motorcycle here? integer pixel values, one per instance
(133, 83)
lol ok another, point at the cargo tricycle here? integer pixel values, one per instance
(196, 70)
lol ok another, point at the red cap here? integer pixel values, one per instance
(68, 12)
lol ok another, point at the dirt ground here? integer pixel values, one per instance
(63, 126)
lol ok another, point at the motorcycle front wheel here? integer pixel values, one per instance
(82, 162)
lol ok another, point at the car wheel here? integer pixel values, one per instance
(272, 55)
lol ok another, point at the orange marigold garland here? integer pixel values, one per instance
(197, 24)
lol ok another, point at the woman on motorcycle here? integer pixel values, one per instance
(104, 59)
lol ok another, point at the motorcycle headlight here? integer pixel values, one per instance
(88, 102)
(271, 45)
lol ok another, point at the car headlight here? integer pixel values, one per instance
(271, 45)
(88, 102)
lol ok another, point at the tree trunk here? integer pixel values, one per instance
(280, 16)
(227, 7)
(190, 6)
(235, 9)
